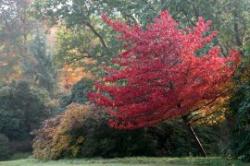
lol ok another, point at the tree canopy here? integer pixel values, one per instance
(160, 75)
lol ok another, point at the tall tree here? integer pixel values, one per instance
(39, 68)
(13, 37)
(163, 73)
(23, 50)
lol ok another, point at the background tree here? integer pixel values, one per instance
(240, 120)
(22, 110)
(39, 68)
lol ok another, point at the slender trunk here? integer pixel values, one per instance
(193, 133)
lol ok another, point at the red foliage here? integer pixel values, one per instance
(159, 74)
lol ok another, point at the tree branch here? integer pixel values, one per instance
(91, 27)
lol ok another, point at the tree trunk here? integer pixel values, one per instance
(193, 133)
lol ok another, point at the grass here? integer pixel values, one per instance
(134, 161)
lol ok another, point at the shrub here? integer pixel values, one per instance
(4, 147)
(54, 140)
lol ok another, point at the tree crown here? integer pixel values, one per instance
(164, 72)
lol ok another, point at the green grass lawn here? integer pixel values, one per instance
(135, 161)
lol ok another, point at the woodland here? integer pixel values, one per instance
(122, 82)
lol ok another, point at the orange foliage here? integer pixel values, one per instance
(69, 75)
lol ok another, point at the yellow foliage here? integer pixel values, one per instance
(211, 114)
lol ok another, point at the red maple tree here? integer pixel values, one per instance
(164, 72)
